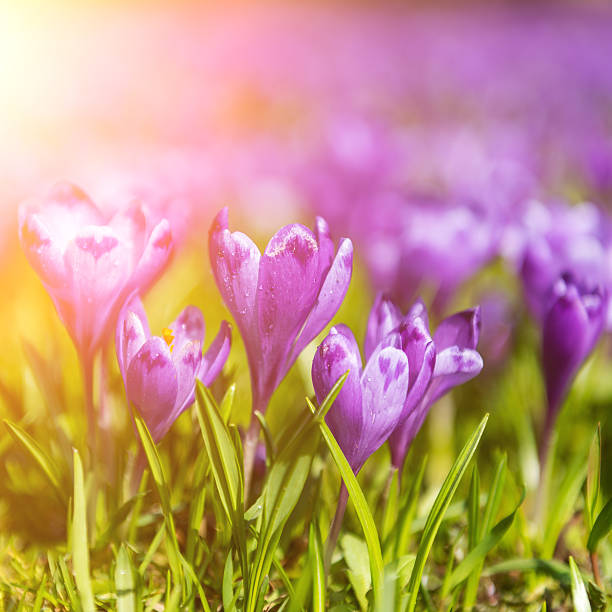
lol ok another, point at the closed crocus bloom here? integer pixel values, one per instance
(371, 400)
(159, 372)
(456, 362)
(90, 264)
(574, 323)
(280, 299)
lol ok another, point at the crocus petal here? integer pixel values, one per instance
(326, 245)
(187, 361)
(154, 257)
(234, 258)
(43, 253)
(96, 280)
(454, 366)
(337, 354)
(289, 283)
(66, 209)
(329, 299)
(132, 333)
(130, 225)
(189, 326)
(384, 317)
(461, 329)
(152, 384)
(417, 344)
(215, 357)
(384, 382)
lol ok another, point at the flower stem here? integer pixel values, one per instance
(545, 455)
(250, 449)
(90, 409)
(334, 530)
(595, 566)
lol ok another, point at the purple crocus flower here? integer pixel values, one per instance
(571, 328)
(89, 264)
(370, 403)
(280, 299)
(159, 372)
(456, 362)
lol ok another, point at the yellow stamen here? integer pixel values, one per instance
(168, 336)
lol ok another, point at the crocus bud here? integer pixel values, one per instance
(159, 372)
(456, 362)
(280, 299)
(90, 264)
(571, 328)
(371, 400)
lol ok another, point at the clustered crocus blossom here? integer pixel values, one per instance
(90, 264)
(571, 328)
(281, 298)
(159, 372)
(407, 371)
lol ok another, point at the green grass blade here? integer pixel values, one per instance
(579, 593)
(48, 467)
(563, 508)
(161, 483)
(80, 544)
(476, 556)
(224, 462)
(315, 554)
(593, 479)
(555, 569)
(227, 590)
(355, 553)
(440, 506)
(390, 516)
(125, 583)
(601, 527)
(474, 509)
(361, 507)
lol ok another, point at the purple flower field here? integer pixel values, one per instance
(383, 237)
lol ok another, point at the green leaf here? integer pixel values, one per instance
(157, 471)
(227, 403)
(80, 544)
(228, 584)
(479, 552)
(361, 507)
(554, 569)
(602, 526)
(565, 500)
(389, 522)
(474, 509)
(356, 557)
(282, 490)
(48, 467)
(226, 468)
(125, 583)
(315, 554)
(268, 439)
(438, 509)
(408, 510)
(593, 478)
(491, 508)
(579, 593)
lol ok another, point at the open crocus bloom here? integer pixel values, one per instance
(88, 264)
(456, 362)
(371, 400)
(436, 365)
(571, 328)
(280, 299)
(159, 372)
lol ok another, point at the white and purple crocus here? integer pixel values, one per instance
(159, 372)
(90, 263)
(281, 298)
(406, 372)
